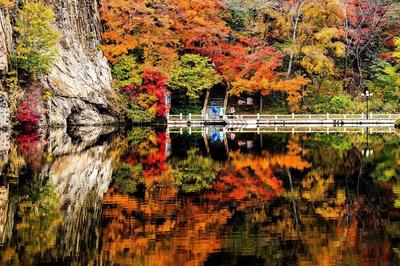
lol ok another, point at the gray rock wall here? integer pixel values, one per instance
(5, 40)
(81, 78)
(4, 112)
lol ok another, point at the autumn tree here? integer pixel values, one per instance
(135, 27)
(369, 26)
(36, 42)
(394, 71)
(193, 74)
(147, 100)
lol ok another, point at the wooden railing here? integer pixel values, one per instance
(292, 130)
(371, 116)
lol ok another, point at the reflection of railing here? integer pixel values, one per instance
(292, 130)
(285, 119)
(315, 116)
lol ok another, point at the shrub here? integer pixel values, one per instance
(36, 43)
(30, 110)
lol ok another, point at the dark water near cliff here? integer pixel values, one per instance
(147, 197)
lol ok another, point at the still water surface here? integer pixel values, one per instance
(147, 197)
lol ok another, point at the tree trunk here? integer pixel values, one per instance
(206, 102)
(294, 37)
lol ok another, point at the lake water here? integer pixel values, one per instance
(145, 196)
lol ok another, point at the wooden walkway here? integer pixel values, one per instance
(293, 119)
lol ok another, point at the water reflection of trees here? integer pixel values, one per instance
(310, 202)
(301, 199)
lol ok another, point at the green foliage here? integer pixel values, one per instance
(137, 114)
(38, 217)
(127, 177)
(15, 93)
(138, 135)
(394, 71)
(181, 103)
(126, 72)
(339, 103)
(36, 43)
(196, 173)
(193, 74)
(237, 20)
(384, 85)
(329, 97)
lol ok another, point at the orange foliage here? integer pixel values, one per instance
(158, 31)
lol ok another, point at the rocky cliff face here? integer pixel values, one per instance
(4, 111)
(5, 39)
(81, 78)
(5, 48)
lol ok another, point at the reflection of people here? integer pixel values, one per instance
(232, 111)
(214, 136)
(221, 135)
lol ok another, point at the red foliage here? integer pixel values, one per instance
(151, 154)
(31, 147)
(154, 84)
(30, 110)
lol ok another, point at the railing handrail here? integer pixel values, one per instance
(290, 116)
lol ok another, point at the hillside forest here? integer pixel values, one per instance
(302, 56)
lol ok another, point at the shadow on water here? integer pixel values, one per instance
(143, 196)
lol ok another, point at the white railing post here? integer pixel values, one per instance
(276, 117)
(371, 115)
(190, 117)
(362, 116)
(292, 115)
(181, 116)
(258, 116)
(327, 116)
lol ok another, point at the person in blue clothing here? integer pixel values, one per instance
(221, 112)
(214, 111)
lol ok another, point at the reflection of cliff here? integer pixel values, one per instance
(59, 205)
(4, 214)
(80, 180)
(4, 148)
